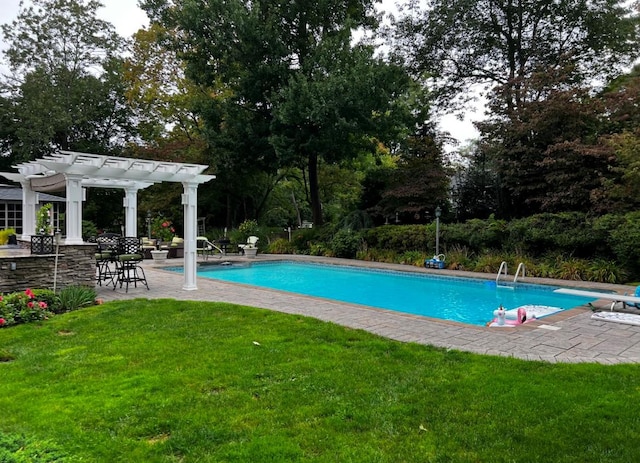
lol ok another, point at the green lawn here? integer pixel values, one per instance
(170, 381)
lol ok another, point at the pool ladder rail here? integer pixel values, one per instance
(503, 270)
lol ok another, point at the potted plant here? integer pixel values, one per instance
(159, 254)
(42, 243)
(162, 229)
(250, 250)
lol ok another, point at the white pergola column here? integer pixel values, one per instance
(190, 203)
(73, 216)
(130, 203)
(30, 201)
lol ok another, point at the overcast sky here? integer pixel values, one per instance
(128, 18)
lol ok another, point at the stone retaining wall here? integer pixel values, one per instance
(76, 266)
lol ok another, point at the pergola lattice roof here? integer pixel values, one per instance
(109, 171)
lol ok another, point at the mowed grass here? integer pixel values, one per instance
(171, 381)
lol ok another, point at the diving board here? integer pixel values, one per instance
(625, 299)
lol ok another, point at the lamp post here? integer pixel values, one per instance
(56, 238)
(149, 224)
(438, 214)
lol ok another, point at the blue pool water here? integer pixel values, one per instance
(464, 300)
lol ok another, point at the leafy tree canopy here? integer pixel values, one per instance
(504, 43)
(299, 90)
(50, 35)
(65, 89)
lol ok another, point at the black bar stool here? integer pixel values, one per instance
(128, 258)
(105, 258)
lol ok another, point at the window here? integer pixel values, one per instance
(11, 216)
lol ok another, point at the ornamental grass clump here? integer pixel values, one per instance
(75, 297)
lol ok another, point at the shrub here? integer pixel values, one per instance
(22, 307)
(401, 238)
(248, 228)
(415, 258)
(320, 249)
(572, 269)
(304, 238)
(489, 263)
(4, 235)
(49, 297)
(346, 243)
(281, 246)
(376, 255)
(605, 271)
(624, 240)
(459, 258)
(568, 232)
(89, 230)
(74, 297)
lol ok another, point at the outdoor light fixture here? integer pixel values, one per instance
(148, 224)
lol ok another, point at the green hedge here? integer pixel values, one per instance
(610, 238)
(611, 243)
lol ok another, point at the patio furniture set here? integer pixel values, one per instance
(118, 261)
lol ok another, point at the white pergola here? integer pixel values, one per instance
(73, 172)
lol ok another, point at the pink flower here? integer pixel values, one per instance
(42, 304)
(2, 321)
(29, 293)
(165, 224)
(30, 304)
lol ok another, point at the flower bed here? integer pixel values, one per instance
(24, 307)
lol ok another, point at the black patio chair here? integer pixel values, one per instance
(128, 258)
(105, 258)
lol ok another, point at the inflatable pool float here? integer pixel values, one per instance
(502, 320)
(522, 314)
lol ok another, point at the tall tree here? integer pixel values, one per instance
(163, 99)
(65, 82)
(59, 34)
(537, 61)
(622, 133)
(548, 158)
(420, 182)
(300, 92)
(475, 184)
(505, 42)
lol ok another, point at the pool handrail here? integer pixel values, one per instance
(506, 272)
(520, 267)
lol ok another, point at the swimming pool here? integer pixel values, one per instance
(463, 300)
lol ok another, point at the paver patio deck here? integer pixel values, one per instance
(571, 336)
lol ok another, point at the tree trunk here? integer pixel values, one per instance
(316, 206)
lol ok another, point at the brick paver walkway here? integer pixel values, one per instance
(568, 337)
